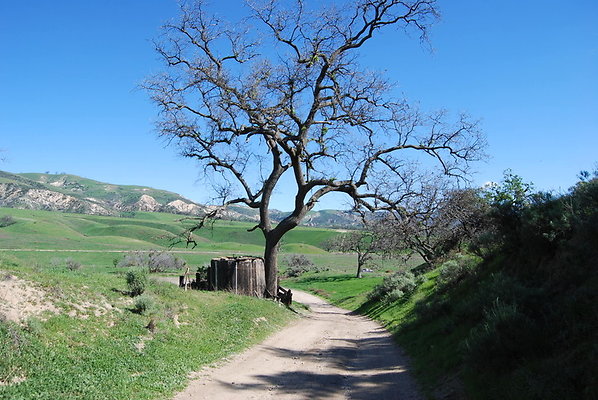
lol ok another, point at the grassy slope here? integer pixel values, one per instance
(64, 231)
(339, 285)
(98, 356)
(342, 290)
(520, 357)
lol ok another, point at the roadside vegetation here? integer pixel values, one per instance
(507, 313)
(99, 342)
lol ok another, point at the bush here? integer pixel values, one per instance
(145, 305)
(501, 339)
(298, 264)
(455, 270)
(136, 281)
(72, 265)
(203, 272)
(394, 287)
(154, 261)
(298, 260)
(7, 220)
(431, 308)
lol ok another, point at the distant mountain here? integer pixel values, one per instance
(71, 193)
(322, 218)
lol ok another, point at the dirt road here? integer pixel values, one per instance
(329, 354)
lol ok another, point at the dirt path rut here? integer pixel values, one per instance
(329, 354)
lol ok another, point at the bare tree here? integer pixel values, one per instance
(282, 91)
(437, 221)
(363, 243)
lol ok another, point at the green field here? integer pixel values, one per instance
(40, 236)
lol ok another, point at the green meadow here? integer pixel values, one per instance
(42, 236)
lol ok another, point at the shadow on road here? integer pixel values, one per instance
(375, 357)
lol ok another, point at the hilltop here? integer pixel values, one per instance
(71, 193)
(75, 194)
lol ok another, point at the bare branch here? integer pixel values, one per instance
(283, 91)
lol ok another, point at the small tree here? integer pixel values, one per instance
(508, 200)
(438, 221)
(282, 92)
(136, 281)
(363, 243)
(7, 220)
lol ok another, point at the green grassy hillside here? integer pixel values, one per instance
(519, 324)
(99, 345)
(64, 235)
(154, 229)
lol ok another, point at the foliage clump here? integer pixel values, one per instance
(456, 269)
(72, 265)
(7, 220)
(394, 287)
(154, 261)
(297, 265)
(145, 305)
(136, 281)
(495, 343)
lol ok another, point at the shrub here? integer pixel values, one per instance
(298, 264)
(298, 260)
(145, 305)
(501, 339)
(136, 281)
(202, 272)
(455, 270)
(295, 272)
(55, 262)
(72, 265)
(7, 220)
(394, 287)
(430, 308)
(154, 261)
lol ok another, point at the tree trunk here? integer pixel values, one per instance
(359, 265)
(271, 265)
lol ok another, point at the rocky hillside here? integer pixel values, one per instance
(71, 193)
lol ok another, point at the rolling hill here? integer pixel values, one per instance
(74, 194)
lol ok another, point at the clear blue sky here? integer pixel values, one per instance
(69, 71)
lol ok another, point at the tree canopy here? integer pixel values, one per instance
(282, 91)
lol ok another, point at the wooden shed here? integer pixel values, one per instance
(240, 275)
